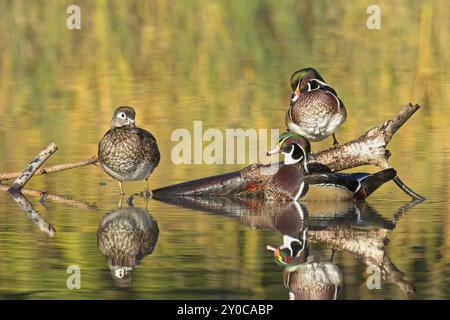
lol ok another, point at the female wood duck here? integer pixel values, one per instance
(294, 181)
(315, 111)
(125, 237)
(125, 152)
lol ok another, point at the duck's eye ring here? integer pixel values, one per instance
(122, 115)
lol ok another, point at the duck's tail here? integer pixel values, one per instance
(372, 182)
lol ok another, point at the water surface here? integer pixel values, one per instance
(226, 63)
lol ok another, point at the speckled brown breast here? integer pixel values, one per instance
(128, 153)
(313, 281)
(313, 106)
(317, 114)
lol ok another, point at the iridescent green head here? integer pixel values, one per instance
(295, 148)
(300, 78)
(291, 252)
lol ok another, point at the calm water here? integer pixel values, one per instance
(226, 63)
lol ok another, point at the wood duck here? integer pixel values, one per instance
(315, 111)
(125, 237)
(294, 181)
(305, 278)
(292, 252)
(126, 152)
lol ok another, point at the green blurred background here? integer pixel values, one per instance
(226, 63)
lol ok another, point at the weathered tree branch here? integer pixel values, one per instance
(26, 175)
(368, 149)
(52, 169)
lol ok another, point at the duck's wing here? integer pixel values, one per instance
(341, 186)
(329, 187)
(149, 144)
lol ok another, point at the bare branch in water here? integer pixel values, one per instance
(368, 149)
(29, 171)
(52, 169)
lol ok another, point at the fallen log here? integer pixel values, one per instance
(368, 149)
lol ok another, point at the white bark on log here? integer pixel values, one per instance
(26, 175)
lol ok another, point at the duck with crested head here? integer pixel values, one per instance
(294, 180)
(126, 152)
(315, 111)
(306, 277)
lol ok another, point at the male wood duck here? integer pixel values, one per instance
(315, 111)
(126, 152)
(293, 251)
(305, 278)
(294, 181)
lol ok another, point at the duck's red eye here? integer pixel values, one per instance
(288, 141)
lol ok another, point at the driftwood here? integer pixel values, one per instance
(52, 169)
(29, 171)
(33, 169)
(368, 149)
(17, 192)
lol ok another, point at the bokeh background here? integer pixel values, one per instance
(226, 63)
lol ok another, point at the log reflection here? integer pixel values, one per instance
(355, 228)
(26, 206)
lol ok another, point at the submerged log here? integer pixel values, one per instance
(368, 149)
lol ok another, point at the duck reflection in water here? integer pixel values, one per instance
(358, 230)
(304, 276)
(125, 236)
(342, 226)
